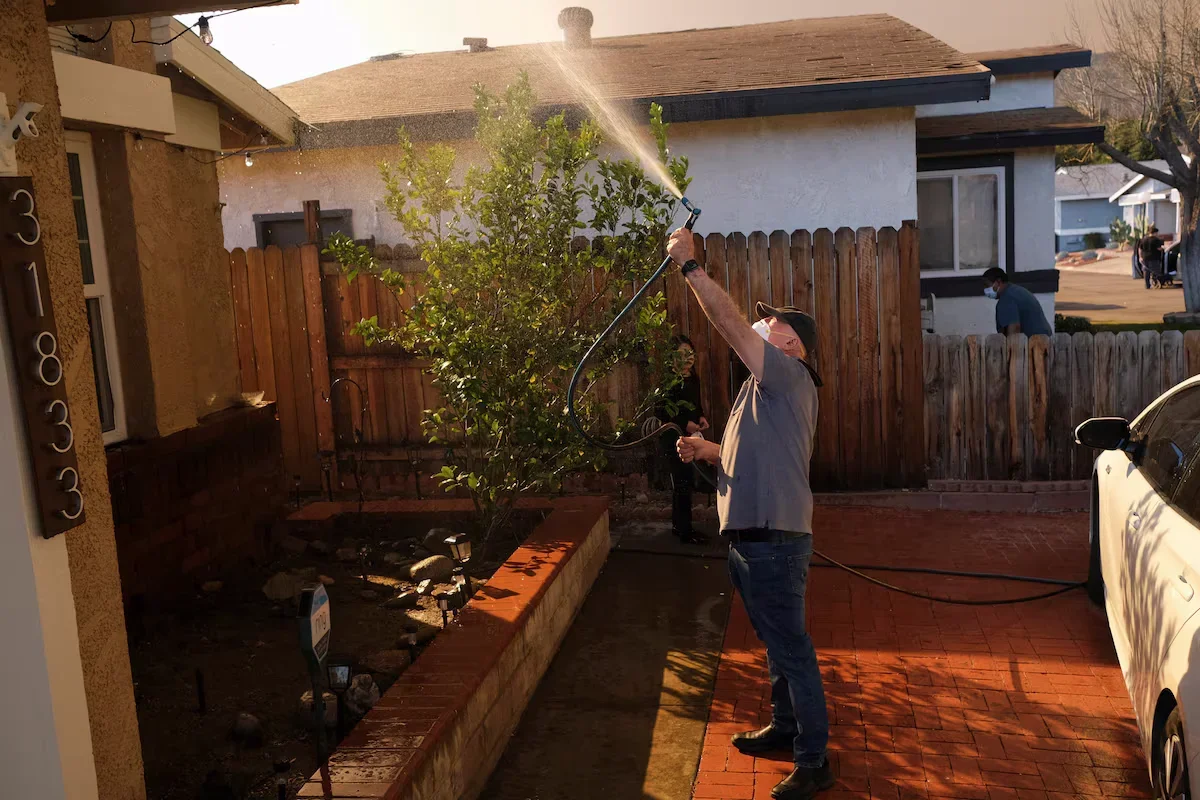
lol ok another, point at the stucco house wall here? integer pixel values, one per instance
(803, 171)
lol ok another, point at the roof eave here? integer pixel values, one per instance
(1049, 62)
(1009, 140)
(707, 107)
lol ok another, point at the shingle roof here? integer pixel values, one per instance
(716, 62)
(1025, 60)
(1024, 127)
(1096, 180)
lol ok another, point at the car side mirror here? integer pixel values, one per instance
(1103, 433)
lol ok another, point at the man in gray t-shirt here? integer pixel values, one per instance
(765, 509)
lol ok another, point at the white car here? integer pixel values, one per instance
(1145, 570)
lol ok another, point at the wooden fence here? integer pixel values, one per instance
(1005, 408)
(295, 316)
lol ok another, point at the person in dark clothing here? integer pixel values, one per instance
(1150, 254)
(1017, 310)
(689, 416)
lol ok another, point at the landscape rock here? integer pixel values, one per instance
(435, 541)
(424, 587)
(307, 573)
(642, 497)
(321, 547)
(423, 632)
(403, 600)
(248, 730)
(306, 708)
(292, 544)
(362, 695)
(435, 568)
(396, 558)
(370, 595)
(346, 554)
(212, 586)
(326, 580)
(283, 586)
(387, 662)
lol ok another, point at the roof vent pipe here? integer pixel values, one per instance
(576, 24)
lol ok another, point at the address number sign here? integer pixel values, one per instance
(38, 362)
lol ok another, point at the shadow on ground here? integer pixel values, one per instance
(622, 710)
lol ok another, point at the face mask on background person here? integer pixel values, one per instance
(762, 330)
(990, 292)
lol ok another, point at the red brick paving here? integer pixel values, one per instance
(1018, 702)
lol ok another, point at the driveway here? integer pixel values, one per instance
(1105, 292)
(1011, 702)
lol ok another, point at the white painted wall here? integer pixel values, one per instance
(805, 171)
(976, 315)
(1008, 93)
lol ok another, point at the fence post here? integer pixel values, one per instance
(913, 383)
(318, 352)
(312, 221)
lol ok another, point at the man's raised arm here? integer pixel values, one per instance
(718, 306)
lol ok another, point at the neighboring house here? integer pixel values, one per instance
(1083, 202)
(1144, 200)
(857, 121)
(111, 217)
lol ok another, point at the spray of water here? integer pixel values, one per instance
(612, 121)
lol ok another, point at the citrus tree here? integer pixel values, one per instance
(513, 296)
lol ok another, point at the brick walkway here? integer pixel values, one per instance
(1019, 702)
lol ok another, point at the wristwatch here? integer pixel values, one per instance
(688, 266)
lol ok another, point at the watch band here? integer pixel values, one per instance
(689, 265)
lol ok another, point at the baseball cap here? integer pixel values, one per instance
(804, 326)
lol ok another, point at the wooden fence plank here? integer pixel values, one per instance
(891, 432)
(285, 380)
(1083, 398)
(719, 355)
(308, 461)
(995, 369)
(849, 396)
(414, 403)
(1018, 406)
(1128, 376)
(736, 257)
(760, 272)
(955, 379)
(318, 355)
(1150, 355)
(802, 274)
(260, 315)
(974, 420)
(243, 328)
(869, 452)
(1173, 361)
(1105, 358)
(779, 250)
(910, 348)
(1039, 402)
(376, 396)
(935, 408)
(1191, 344)
(826, 454)
(701, 336)
(1058, 418)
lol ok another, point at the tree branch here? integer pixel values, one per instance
(1135, 165)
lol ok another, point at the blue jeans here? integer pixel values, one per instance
(771, 577)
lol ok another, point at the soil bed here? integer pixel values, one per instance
(246, 648)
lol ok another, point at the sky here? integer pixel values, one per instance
(284, 43)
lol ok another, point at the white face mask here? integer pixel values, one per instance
(990, 292)
(762, 329)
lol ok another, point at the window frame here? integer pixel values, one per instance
(79, 143)
(1000, 173)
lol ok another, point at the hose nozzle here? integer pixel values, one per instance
(695, 212)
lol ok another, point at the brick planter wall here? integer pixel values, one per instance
(440, 729)
(196, 501)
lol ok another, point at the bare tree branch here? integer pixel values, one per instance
(1135, 165)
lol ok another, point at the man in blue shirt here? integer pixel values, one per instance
(1017, 310)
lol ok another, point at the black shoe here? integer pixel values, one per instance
(766, 740)
(804, 783)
